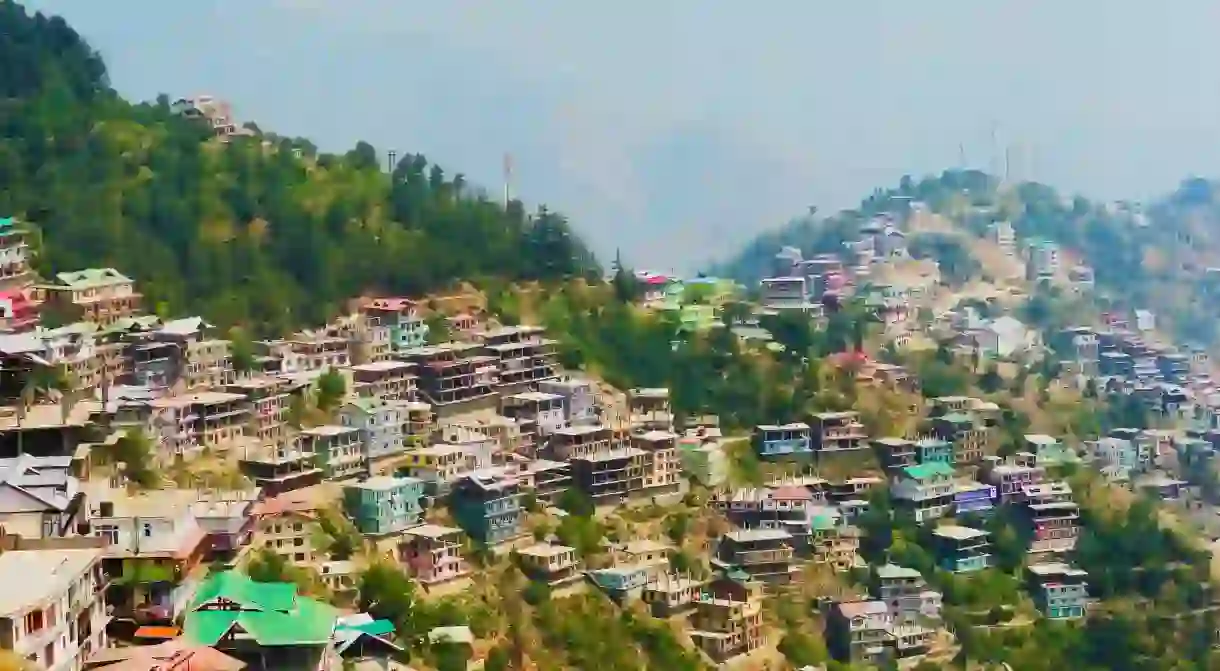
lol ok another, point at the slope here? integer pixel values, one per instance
(265, 231)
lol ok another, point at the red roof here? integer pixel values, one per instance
(394, 304)
(791, 493)
(657, 279)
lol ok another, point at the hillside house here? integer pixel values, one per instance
(433, 553)
(98, 295)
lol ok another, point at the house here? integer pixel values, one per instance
(98, 295)
(1048, 451)
(51, 608)
(266, 623)
(522, 354)
(280, 468)
(611, 475)
(579, 398)
(267, 406)
(624, 581)
(649, 409)
(15, 272)
(438, 465)
(905, 593)
(287, 525)
(973, 497)
(552, 564)
(1004, 337)
(40, 498)
(384, 505)
(1044, 259)
(671, 592)
(488, 507)
(728, 620)
(786, 507)
(895, 453)
(390, 380)
(703, 457)
(210, 418)
(857, 631)
(403, 317)
(18, 312)
(832, 541)
(1051, 516)
(772, 441)
(155, 546)
(764, 554)
(546, 480)
(545, 410)
(961, 549)
(662, 466)
(837, 432)
(453, 372)
(380, 424)
(337, 450)
(340, 576)
(174, 653)
(433, 553)
(969, 436)
(1162, 487)
(1010, 478)
(927, 490)
(1060, 591)
(641, 552)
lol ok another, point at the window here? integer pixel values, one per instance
(109, 532)
(300, 556)
(147, 530)
(34, 621)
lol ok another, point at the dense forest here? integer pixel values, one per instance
(1156, 257)
(265, 231)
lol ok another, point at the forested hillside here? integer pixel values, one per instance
(1156, 258)
(266, 230)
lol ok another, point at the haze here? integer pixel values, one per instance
(677, 129)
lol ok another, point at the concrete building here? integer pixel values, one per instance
(384, 505)
(389, 380)
(905, 593)
(1060, 591)
(267, 405)
(728, 619)
(764, 554)
(337, 450)
(522, 354)
(552, 564)
(488, 507)
(649, 409)
(380, 424)
(453, 372)
(15, 272)
(98, 295)
(41, 498)
(662, 466)
(927, 490)
(837, 432)
(287, 525)
(51, 609)
(403, 317)
(433, 553)
(775, 441)
(611, 475)
(227, 518)
(857, 632)
(961, 549)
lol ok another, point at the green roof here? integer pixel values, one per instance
(958, 418)
(6, 222)
(271, 613)
(928, 470)
(91, 277)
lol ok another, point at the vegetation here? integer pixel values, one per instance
(266, 232)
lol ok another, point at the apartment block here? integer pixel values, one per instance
(927, 490)
(453, 372)
(764, 554)
(433, 553)
(279, 468)
(380, 424)
(546, 411)
(337, 450)
(969, 436)
(663, 468)
(1052, 517)
(1060, 591)
(314, 351)
(522, 354)
(384, 505)
(390, 380)
(267, 403)
(961, 549)
(579, 398)
(212, 418)
(611, 475)
(488, 507)
(98, 295)
(728, 619)
(286, 525)
(15, 272)
(52, 613)
(786, 507)
(403, 317)
(775, 441)
(837, 432)
(649, 409)
(546, 480)
(1010, 478)
(580, 440)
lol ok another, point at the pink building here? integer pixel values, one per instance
(433, 553)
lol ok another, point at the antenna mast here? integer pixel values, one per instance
(508, 178)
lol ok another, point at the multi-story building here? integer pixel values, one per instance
(488, 507)
(18, 312)
(1010, 478)
(154, 544)
(662, 468)
(419, 424)
(390, 380)
(933, 450)
(774, 441)
(611, 475)
(927, 490)
(545, 410)
(433, 553)
(786, 507)
(580, 440)
(546, 480)
(1003, 235)
(579, 398)
(837, 432)
(895, 453)
(1118, 453)
(553, 564)
(52, 614)
(703, 457)
(1043, 259)
(267, 406)
(208, 363)
(832, 541)
(227, 517)
(453, 372)
(210, 110)
(438, 465)
(384, 505)
(1060, 591)
(380, 424)
(969, 436)
(212, 418)
(961, 549)
(1051, 516)
(337, 450)
(98, 295)
(973, 497)
(857, 632)
(522, 354)
(905, 593)
(71, 349)
(279, 468)
(728, 619)
(404, 318)
(40, 497)
(15, 273)
(670, 592)
(764, 554)
(313, 351)
(287, 525)
(1048, 450)
(649, 409)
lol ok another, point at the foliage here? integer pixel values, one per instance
(331, 387)
(340, 537)
(134, 449)
(241, 350)
(266, 231)
(950, 253)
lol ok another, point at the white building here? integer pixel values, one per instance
(51, 610)
(39, 497)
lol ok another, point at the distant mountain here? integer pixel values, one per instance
(1155, 256)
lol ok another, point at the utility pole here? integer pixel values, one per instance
(391, 161)
(508, 178)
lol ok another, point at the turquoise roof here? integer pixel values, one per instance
(928, 470)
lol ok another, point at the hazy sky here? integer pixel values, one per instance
(676, 129)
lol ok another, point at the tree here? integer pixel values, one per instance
(331, 389)
(241, 350)
(438, 329)
(134, 449)
(386, 592)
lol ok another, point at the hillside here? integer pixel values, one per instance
(1153, 257)
(263, 230)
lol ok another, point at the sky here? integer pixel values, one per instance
(675, 130)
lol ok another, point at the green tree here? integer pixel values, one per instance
(241, 350)
(331, 390)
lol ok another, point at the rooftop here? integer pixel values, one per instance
(44, 574)
(432, 531)
(958, 532)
